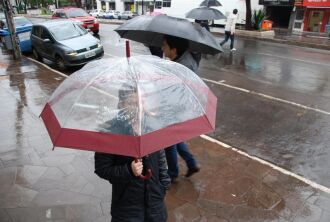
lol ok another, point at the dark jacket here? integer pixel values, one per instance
(189, 60)
(134, 199)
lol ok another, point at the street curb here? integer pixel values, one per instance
(281, 41)
(273, 40)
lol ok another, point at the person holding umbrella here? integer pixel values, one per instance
(176, 49)
(230, 30)
(133, 199)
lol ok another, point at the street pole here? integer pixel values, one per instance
(11, 28)
(142, 8)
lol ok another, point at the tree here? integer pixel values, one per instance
(248, 25)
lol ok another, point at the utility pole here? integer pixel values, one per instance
(142, 8)
(11, 28)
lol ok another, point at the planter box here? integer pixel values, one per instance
(260, 34)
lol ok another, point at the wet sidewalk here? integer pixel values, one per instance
(38, 184)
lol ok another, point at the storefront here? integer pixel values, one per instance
(278, 11)
(142, 6)
(108, 5)
(317, 15)
(129, 5)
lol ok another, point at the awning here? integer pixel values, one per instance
(321, 3)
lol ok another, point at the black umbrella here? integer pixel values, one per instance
(205, 13)
(150, 30)
(210, 3)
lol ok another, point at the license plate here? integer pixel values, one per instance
(24, 36)
(90, 54)
(90, 26)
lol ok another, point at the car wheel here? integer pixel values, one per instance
(36, 55)
(96, 32)
(60, 63)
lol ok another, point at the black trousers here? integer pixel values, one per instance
(227, 36)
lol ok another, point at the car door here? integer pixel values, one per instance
(47, 45)
(36, 39)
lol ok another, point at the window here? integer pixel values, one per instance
(167, 3)
(60, 15)
(36, 31)
(158, 4)
(45, 34)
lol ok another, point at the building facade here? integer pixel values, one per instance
(278, 11)
(139, 6)
(311, 16)
(317, 15)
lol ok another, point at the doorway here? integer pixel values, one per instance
(315, 21)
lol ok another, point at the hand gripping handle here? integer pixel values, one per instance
(148, 175)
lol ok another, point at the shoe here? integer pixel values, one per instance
(233, 49)
(193, 170)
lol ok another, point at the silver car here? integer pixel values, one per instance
(64, 42)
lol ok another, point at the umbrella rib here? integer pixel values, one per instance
(139, 107)
(78, 97)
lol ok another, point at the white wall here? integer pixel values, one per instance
(119, 5)
(180, 7)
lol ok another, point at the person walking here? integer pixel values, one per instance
(133, 199)
(176, 49)
(230, 30)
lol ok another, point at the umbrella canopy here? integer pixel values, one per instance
(156, 13)
(210, 3)
(150, 30)
(205, 13)
(130, 107)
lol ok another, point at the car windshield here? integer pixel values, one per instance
(77, 13)
(67, 31)
(19, 21)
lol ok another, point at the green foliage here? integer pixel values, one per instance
(257, 18)
(45, 11)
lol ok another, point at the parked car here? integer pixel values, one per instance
(78, 15)
(112, 14)
(64, 42)
(23, 31)
(127, 15)
(96, 13)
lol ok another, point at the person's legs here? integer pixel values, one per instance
(227, 35)
(232, 38)
(172, 161)
(190, 160)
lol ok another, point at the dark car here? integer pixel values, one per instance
(79, 16)
(65, 43)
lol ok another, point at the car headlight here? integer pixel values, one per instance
(72, 53)
(99, 45)
(96, 21)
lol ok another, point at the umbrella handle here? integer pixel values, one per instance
(147, 176)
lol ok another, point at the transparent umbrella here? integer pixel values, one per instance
(129, 106)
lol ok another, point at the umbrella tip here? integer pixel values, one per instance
(128, 50)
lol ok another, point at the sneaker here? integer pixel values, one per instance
(233, 49)
(192, 171)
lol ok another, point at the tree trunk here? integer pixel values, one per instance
(248, 25)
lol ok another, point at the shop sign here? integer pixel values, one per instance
(298, 2)
(321, 3)
(277, 2)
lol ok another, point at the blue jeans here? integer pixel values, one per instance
(172, 158)
(227, 36)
